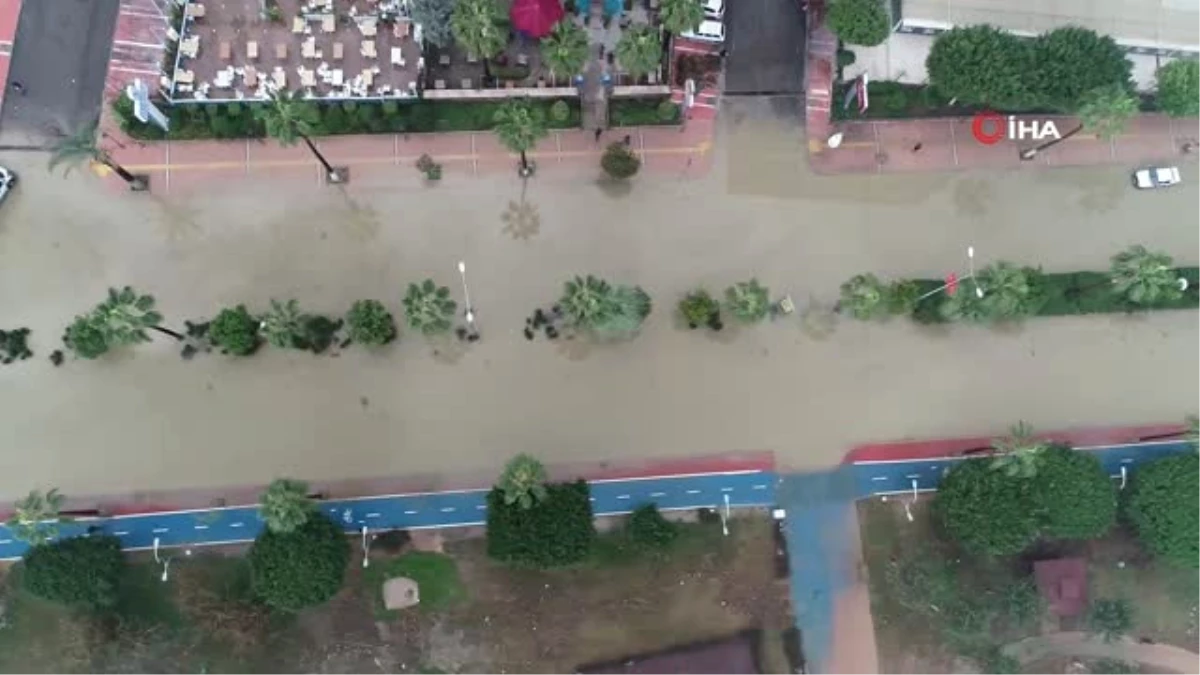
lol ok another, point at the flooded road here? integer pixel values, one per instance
(807, 389)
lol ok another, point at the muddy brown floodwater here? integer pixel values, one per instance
(145, 419)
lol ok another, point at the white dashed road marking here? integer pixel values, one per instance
(410, 513)
(658, 494)
(447, 509)
(622, 496)
(160, 530)
(237, 524)
(201, 527)
(693, 492)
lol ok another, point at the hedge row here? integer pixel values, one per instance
(1067, 294)
(236, 119)
(557, 530)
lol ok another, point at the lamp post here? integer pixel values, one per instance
(970, 275)
(469, 313)
(366, 547)
(165, 562)
(725, 517)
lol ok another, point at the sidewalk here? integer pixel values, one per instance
(947, 144)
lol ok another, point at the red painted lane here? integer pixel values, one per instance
(10, 12)
(950, 447)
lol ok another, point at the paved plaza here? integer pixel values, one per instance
(145, 418)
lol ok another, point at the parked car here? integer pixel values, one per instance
(8, 180)
(1156, 177)
(714, 9)
(709, 31)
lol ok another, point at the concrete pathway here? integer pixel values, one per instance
(1160, 658)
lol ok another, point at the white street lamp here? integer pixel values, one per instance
(970, 275)
(366, 547)
(165, 562)
(469, 314)
(725, 517)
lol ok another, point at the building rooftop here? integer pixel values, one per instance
(1171, 24)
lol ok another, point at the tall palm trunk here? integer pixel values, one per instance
(1030, 153)
(168, 331)
(121, 171)
(524, 161)
(320, 158)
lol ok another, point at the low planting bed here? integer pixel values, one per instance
(642, 111)
(196, 121)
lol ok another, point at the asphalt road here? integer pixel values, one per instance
(415, 511)
(765, 40)
(60, 57)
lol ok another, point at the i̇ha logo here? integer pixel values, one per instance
(990, 128)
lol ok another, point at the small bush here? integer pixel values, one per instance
(79, 572)
(845, 57)
(748, 301)
(302, 568)
(698, 308)
(1163, 506)
(648, 528)
(371, 323)
(1110, 619)
(560, 111)
(668, 111)
(619, 161)
(553, 532)
(859, 22)
(431, 169)
(985, 510)
(235, 331)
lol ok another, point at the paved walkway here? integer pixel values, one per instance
(1159, 658)
(947, 144)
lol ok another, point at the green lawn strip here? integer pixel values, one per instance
(438, 581)
(1067, 294)
(642, 111)
(616, 548)
(195, 121)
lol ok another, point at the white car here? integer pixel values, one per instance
(714, 9)
(1156, 177)
(8, 180)
(709, 31)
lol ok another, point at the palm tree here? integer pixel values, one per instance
(565, 49)
(865, 297)
(36, 517)
(1019, 453)
(588, 302)
(121, 319)
(283, 326)
(81, 146)
(681, 16)
(478, 26)
(1103, 111)
(523, 481)
(748, 301)
(288, 118)
(519, 126)
(285, 505)
(1144, 277)
(1009, 292)
(429, 308)
(639, 51)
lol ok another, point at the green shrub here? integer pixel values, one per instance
(302, 568)
(748, 301)
(370, 323)
(86, 338)
(985, 510)
(859, 22)
(513, 72)
(1163, 506)
(390, 108)
(1075, 496)
(431, 169)
(667, 111)
(235, 331)
(560, 111)
(619, 162)
(902, 296)
(350, 106)
(865, 297)
(554, 531)
(333, 119)
(648, 528)
(698, 308)
(642, 111)
(1110, 618)
(845, 57)
(79, 572)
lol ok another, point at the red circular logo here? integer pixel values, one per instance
(988, 127)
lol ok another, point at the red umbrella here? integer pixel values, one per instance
(535, 18)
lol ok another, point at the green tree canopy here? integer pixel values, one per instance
(285, 505)
(1163, 506)
(648, 529)
(698, 308)
(1020, 453)
(565, 49)
(640, 51)
(1105, 111)
(434, 18)
(1071, 61)
(982, 65)
(1009, 292)
(1145, 277)
(235, 331)
(523, 481)
(288, 117)
(479, 27)
(301, 568)
(865, 297)
(748, 301)
(859, 22)
(591, 303)
(370, 323)
(79, 572)
(557, 530)
(85, 337)
(680, 16)
(283, 325)
(1110, 618)
(986, 510)
(35, 517)
(123, 318)
(1179, 88)
(429, 308)
(1075, 497)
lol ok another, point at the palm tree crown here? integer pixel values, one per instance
(1144, 277)
(681, 16)
(564, 50)
(288, 118)
(477, 26)
(640, 50)
(519, 125)
(72, 149)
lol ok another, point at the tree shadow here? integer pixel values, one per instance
(521, 219)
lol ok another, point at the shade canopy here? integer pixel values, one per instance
(535, 18)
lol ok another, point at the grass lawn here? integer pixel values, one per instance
(475, 615)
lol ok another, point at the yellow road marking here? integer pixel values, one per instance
(701, 148)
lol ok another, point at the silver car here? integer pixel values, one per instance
(1156, 177)
(8, 180)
